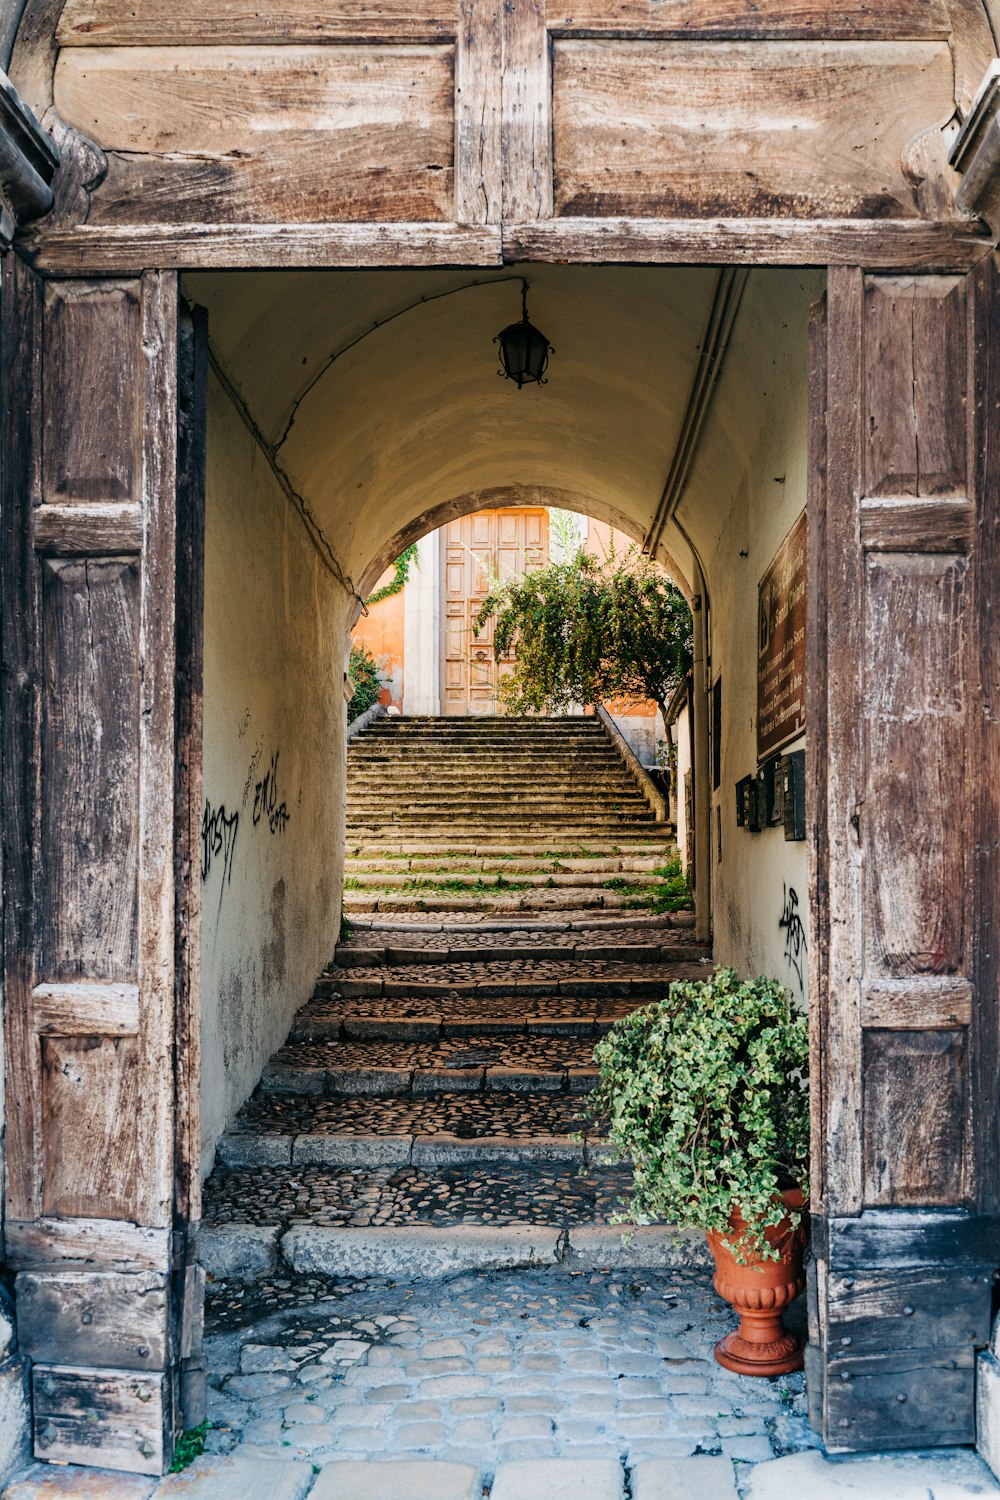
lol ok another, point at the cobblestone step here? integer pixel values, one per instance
(489, 1062)
(427, 1131)
(436, 865)
(425, 1221)
(528, 880)
(634, 843)
(654, 945)
(571, 899)
(520, 977)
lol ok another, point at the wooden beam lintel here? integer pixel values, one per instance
(880, 244)
(94, 251)
(876, 244)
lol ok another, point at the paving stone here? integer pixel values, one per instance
(43, 1482)
(222, 1478)
(559, 1479)
(419, 1435)
(426, 1479)
(251, 1386)
(259, 1359)
(696, 1478)
(946, 1474)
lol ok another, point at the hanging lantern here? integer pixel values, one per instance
(524, 352)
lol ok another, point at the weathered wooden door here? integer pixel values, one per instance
(100, 795)
(489, 542)
(904, 744)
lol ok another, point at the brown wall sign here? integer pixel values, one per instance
(781, 645)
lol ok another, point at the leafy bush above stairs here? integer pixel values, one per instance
(706, 1092)
(367, 680)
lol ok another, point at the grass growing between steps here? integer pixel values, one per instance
(672, 893)
(455, 886)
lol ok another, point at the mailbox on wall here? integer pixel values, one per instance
(791, 779)
(747, 814)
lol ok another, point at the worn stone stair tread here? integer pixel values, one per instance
(559, 900)
(398, 955)
(447, 1064)
(420, 1221)
(576, 975)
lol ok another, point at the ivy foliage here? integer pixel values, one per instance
(707, 1092)
(367, 680)
(399, 579)
(189, 1446)
(589, 629)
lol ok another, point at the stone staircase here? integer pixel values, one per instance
(496, 816)
(426, 1115)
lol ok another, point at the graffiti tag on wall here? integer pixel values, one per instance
(265, 800)
(791, 924)
(218, 839)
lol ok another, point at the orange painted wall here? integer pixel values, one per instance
(381, 630)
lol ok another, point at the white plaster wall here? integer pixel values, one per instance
(422, 629)
(275, 622)
(682, 739)
(753, 463)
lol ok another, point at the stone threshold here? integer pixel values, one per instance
(954, 1473)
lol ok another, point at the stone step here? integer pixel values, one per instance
(501, 828)
(579, 880)
(423, 1130)
(411, 1222)
(574, 900)
(492, 1063)
(432, 865)
(389, 808)
(496, 947)
(515, 979)
(630, 843)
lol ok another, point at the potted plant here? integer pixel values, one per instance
(706, 1092)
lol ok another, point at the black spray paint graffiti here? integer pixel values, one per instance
(252, 770)
(218, 836)
(791, 924)
(265, 800)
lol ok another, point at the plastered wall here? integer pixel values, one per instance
(272, 846)
(750, 485)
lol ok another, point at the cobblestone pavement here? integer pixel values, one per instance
(327, 1196)
(464, 1115)
(488, 1368)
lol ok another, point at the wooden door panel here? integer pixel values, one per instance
(916, 777)
(904, 512)
(89, 633)
(88, 875)
(503, 542)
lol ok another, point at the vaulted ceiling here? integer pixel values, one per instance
(377, 396)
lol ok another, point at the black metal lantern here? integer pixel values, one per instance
(524, 352)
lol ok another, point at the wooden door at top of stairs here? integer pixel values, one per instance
(102, 485)
(506, 542)
(904, 752)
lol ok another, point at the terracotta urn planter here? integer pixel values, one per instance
(760, 1291)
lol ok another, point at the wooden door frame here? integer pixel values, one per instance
(184, 747)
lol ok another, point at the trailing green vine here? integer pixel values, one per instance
(399, 579)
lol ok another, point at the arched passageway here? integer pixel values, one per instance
(351, 413)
